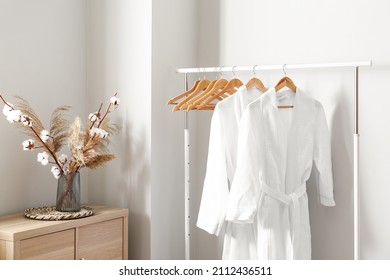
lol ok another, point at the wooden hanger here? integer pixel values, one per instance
(200, 87)
(219, 85)
(173, 100)
(255, 82)
(230, 88)
(190, 101)
(285, 82)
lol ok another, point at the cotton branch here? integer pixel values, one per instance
(98, 113)
(107, 111)
(37, 136)
(6, 103)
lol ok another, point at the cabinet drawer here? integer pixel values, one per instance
(53, 246)
(101, 241)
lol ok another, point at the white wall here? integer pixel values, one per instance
(119, 60)
(43, 59)
(174, 45)
(276, 32)
(133, 48)
(80, 53)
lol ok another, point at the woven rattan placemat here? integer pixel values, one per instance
(51, 214)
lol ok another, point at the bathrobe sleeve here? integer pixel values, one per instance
(322, 157)
(245, 192)
(211, 216)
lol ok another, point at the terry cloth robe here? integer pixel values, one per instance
(276, 150)
(239, 240)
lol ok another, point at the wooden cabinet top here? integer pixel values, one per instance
(17, 227)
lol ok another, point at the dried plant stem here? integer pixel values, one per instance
(67, 192)
(98, 112)
(47, 148)
(6, 103)
(107, 111)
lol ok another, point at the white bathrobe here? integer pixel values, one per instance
(276, 150)
(239, 239)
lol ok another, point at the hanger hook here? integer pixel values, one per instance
(233, 71)
(254, 72)
(204, 73)
(284, 70)
(198, 73)
(220, 70)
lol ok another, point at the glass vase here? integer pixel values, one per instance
(68, 193)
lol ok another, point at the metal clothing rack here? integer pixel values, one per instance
(354, 65)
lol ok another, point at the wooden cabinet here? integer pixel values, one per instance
(103, 236)
(53, 246)
(99, 242)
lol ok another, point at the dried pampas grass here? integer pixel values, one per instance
(59, 127)
(88, 147)
(24, 106)
(98, 160)
(89, 151)
(59, 124)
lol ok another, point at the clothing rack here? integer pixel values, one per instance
(354, 65)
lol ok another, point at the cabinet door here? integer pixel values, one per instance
(54, 246)
(101, 241)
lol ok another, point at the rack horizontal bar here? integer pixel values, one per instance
(273, 67)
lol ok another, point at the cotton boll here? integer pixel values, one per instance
(56, 172)
(26, 120)
(103, 133)
(63, 159)
(28, 145)
(44, 135)
(43, 158)
(93, 117)
(14, 116)
(99, 132)
(114, 100)
(7, 109)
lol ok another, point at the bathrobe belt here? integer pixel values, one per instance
(292, 198)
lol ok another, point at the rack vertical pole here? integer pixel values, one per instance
(187, 179)
(356, 209)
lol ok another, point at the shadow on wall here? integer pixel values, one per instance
(134, 187)
(332, 228)
(125, 182)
